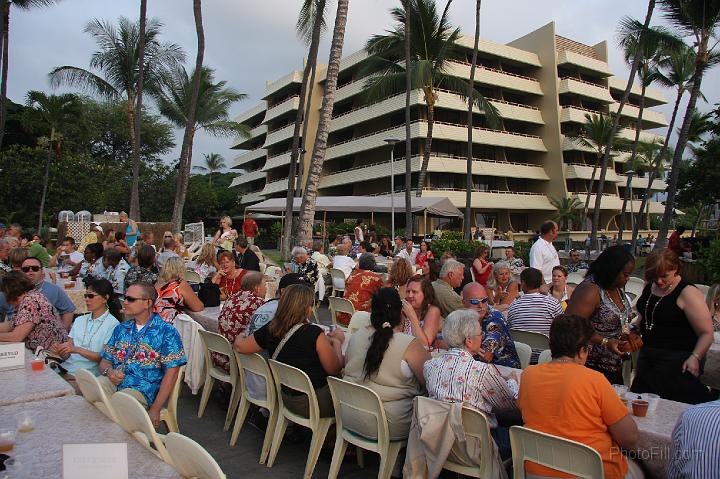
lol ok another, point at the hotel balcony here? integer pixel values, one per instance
(286, 106)
(252, 112)
(629, 134)
(281, 134)
(244, 143)
(491, 76)
(653, 96)
(642, 182)
(349, 90)
(276, 161)
(614, 202)
(575, 114)
(583, 62)
(495, 200)
(275, 187)
(249, 157)
(287, 80)
(650, 118)
(503, 51)
(253, 197)
(585, 89)
(248, 177)
(584, 172)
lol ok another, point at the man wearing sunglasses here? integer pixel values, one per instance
(496, 335)
(144, 354)
(55, 295)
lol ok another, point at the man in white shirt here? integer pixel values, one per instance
(66, 256)
(543, 255)
(409, 254)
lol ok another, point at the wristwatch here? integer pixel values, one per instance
(604, 342)
(105, 371)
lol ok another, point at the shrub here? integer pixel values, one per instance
(276, 230)
(341, 228)
(522, 250)
(453, 241)
(709, 258)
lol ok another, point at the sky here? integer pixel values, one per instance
(249, 42)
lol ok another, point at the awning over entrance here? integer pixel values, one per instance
(365, 204)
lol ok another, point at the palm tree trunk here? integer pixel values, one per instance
(590, 188)
(408, 118)
(5, 35)
(700, 213)
(135, 180)
(655, 166)
(616, 124)
(46, 180)
(430, 99)
(135, 190)
(631, 162)
(307, 209)
(700, 66)
(312, 54)
(185, 156)
(471, 87)
(308, 106)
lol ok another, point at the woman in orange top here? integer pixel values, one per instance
(566, 399)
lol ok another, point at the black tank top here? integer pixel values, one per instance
(664, 324)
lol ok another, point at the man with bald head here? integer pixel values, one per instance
(496, 336)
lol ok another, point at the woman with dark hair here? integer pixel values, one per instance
(34, 321)
(424, 255)
(601, 299)
(482, 267)
(145, 271)
(677, 332)
(91, 331)
(319, 355)
(431, 270)
(386, 247)
(421, 314)
(388, 361)
(92, 263)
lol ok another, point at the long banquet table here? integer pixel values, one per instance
(24, 385)
(208, 318)
(75, 293)
(72, 420)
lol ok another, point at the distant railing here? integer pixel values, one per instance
(586, 82)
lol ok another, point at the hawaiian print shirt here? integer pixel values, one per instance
(574, 268)
(48, 328)
(234, 320)
(116, 275)
(516, 266)
(146, 354)
(308, 270)
(360, 287)
(496, 338)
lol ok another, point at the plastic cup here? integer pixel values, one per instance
(652, 399)
(620, 389)
(37, 364)
(25, 421)
(640, 407)
(7, 441)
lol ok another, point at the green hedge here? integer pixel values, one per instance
(709, 258)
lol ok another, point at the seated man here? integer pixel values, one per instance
(66, 256)
(144, 354)
(575, 262)
(695, 450)
(362, 284)
(409, 253)
(245, 258)
(116, 268)
(566, 399)
(451, 276)
(497, 343)
(533, 311)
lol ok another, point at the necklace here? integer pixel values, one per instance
(88, 327)
(650, 319)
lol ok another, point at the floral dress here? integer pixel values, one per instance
(496, 338)
(138, 274)
(308, 270)
(48, 329)
(234, 320)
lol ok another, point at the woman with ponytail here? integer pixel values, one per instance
(388, 361)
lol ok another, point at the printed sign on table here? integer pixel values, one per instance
(90, 461)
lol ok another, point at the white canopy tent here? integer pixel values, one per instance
(439, 206)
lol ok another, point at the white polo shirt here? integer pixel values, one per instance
(544, 256)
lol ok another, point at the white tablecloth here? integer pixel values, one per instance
(75, 293)
(72, 420)
(208, 318)
(25, 385)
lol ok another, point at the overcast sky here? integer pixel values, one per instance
(251, 41)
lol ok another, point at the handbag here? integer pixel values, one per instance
(209, 294)
(285, 339)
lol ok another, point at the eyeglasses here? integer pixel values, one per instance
(90, 295)
(130, 299)
(476, 301)
(27, 269)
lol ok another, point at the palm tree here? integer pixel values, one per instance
(434, 47)
(135, 187)
(680, 65)
(408, 118)
(698, 19)
(310, 22)
(5, 38)
(117, 61)
(594, 134)
(639, 162)
(214, 162)
(567, 211)
(307, 208)
(471, 88)
(54, 111)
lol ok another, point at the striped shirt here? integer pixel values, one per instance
(533, 312)
(695, 450)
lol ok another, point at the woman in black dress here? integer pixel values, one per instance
(677, 332)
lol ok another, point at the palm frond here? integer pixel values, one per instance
(82, 79)
(306, 19)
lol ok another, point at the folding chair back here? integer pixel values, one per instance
(532, 339)
(340, 305)
(524, 353)
(135, 420)
(94, 393)
(190, 459)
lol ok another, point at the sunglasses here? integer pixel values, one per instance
(27, 269)
(130, 299)
(475, 302)
(90, 295)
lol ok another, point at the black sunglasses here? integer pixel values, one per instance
(27, 269)
(90, 295)
(130, 299)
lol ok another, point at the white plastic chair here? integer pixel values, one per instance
(524, 353)
(297, 380)
(191, 459)
(255, 363)
(545, 357)
(169, 414)
(575, 278)
(94, 393)
(704, 289)
(358, 321)
(134, 419)
(532, 339)
(192, 277)
(554, 452)
(475, 424)
(340, 305)
(365, 405)
(214, 342)
(338, 278)
(634, 288)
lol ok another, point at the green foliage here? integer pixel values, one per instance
(453, 241)
(709, 258)
(568, 211)
(276, 230)
(522, 250)
(340, 228)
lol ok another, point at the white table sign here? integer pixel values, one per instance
(12, 356)
(90, 461)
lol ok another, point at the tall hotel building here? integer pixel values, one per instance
(542, 84)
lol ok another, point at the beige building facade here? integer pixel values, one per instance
(542, 84)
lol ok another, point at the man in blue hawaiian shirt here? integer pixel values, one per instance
(144, 354)
(496, 335)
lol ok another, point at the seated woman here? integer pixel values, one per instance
(388, 361)
(398, 276)
(34, 322)
(91, 331)
(174, 293)
(482, 267)
(307, 268)
(431, 270)
(229, 276)
(558, 288)
(386, 247)
(362, 284)
(92, 263)
(506, 289)
(455, 376)
(206, 264)
(306, 347)
(343, 262)
(566, 399)
(421, 314)
(145, 270)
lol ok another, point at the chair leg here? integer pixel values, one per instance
(232, 407)
(207, 389)
(171, 421)
(269, 434)
(318, 438)
(280, 428)
(239, 419)
(338, 455)
(360, 453)
(387, 460)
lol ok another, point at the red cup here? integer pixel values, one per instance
(37, 364)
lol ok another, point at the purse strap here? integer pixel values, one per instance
(285, 339)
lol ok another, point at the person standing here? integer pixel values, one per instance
(543, 255)
(250, 228)
(359, 235)
(131, 230)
